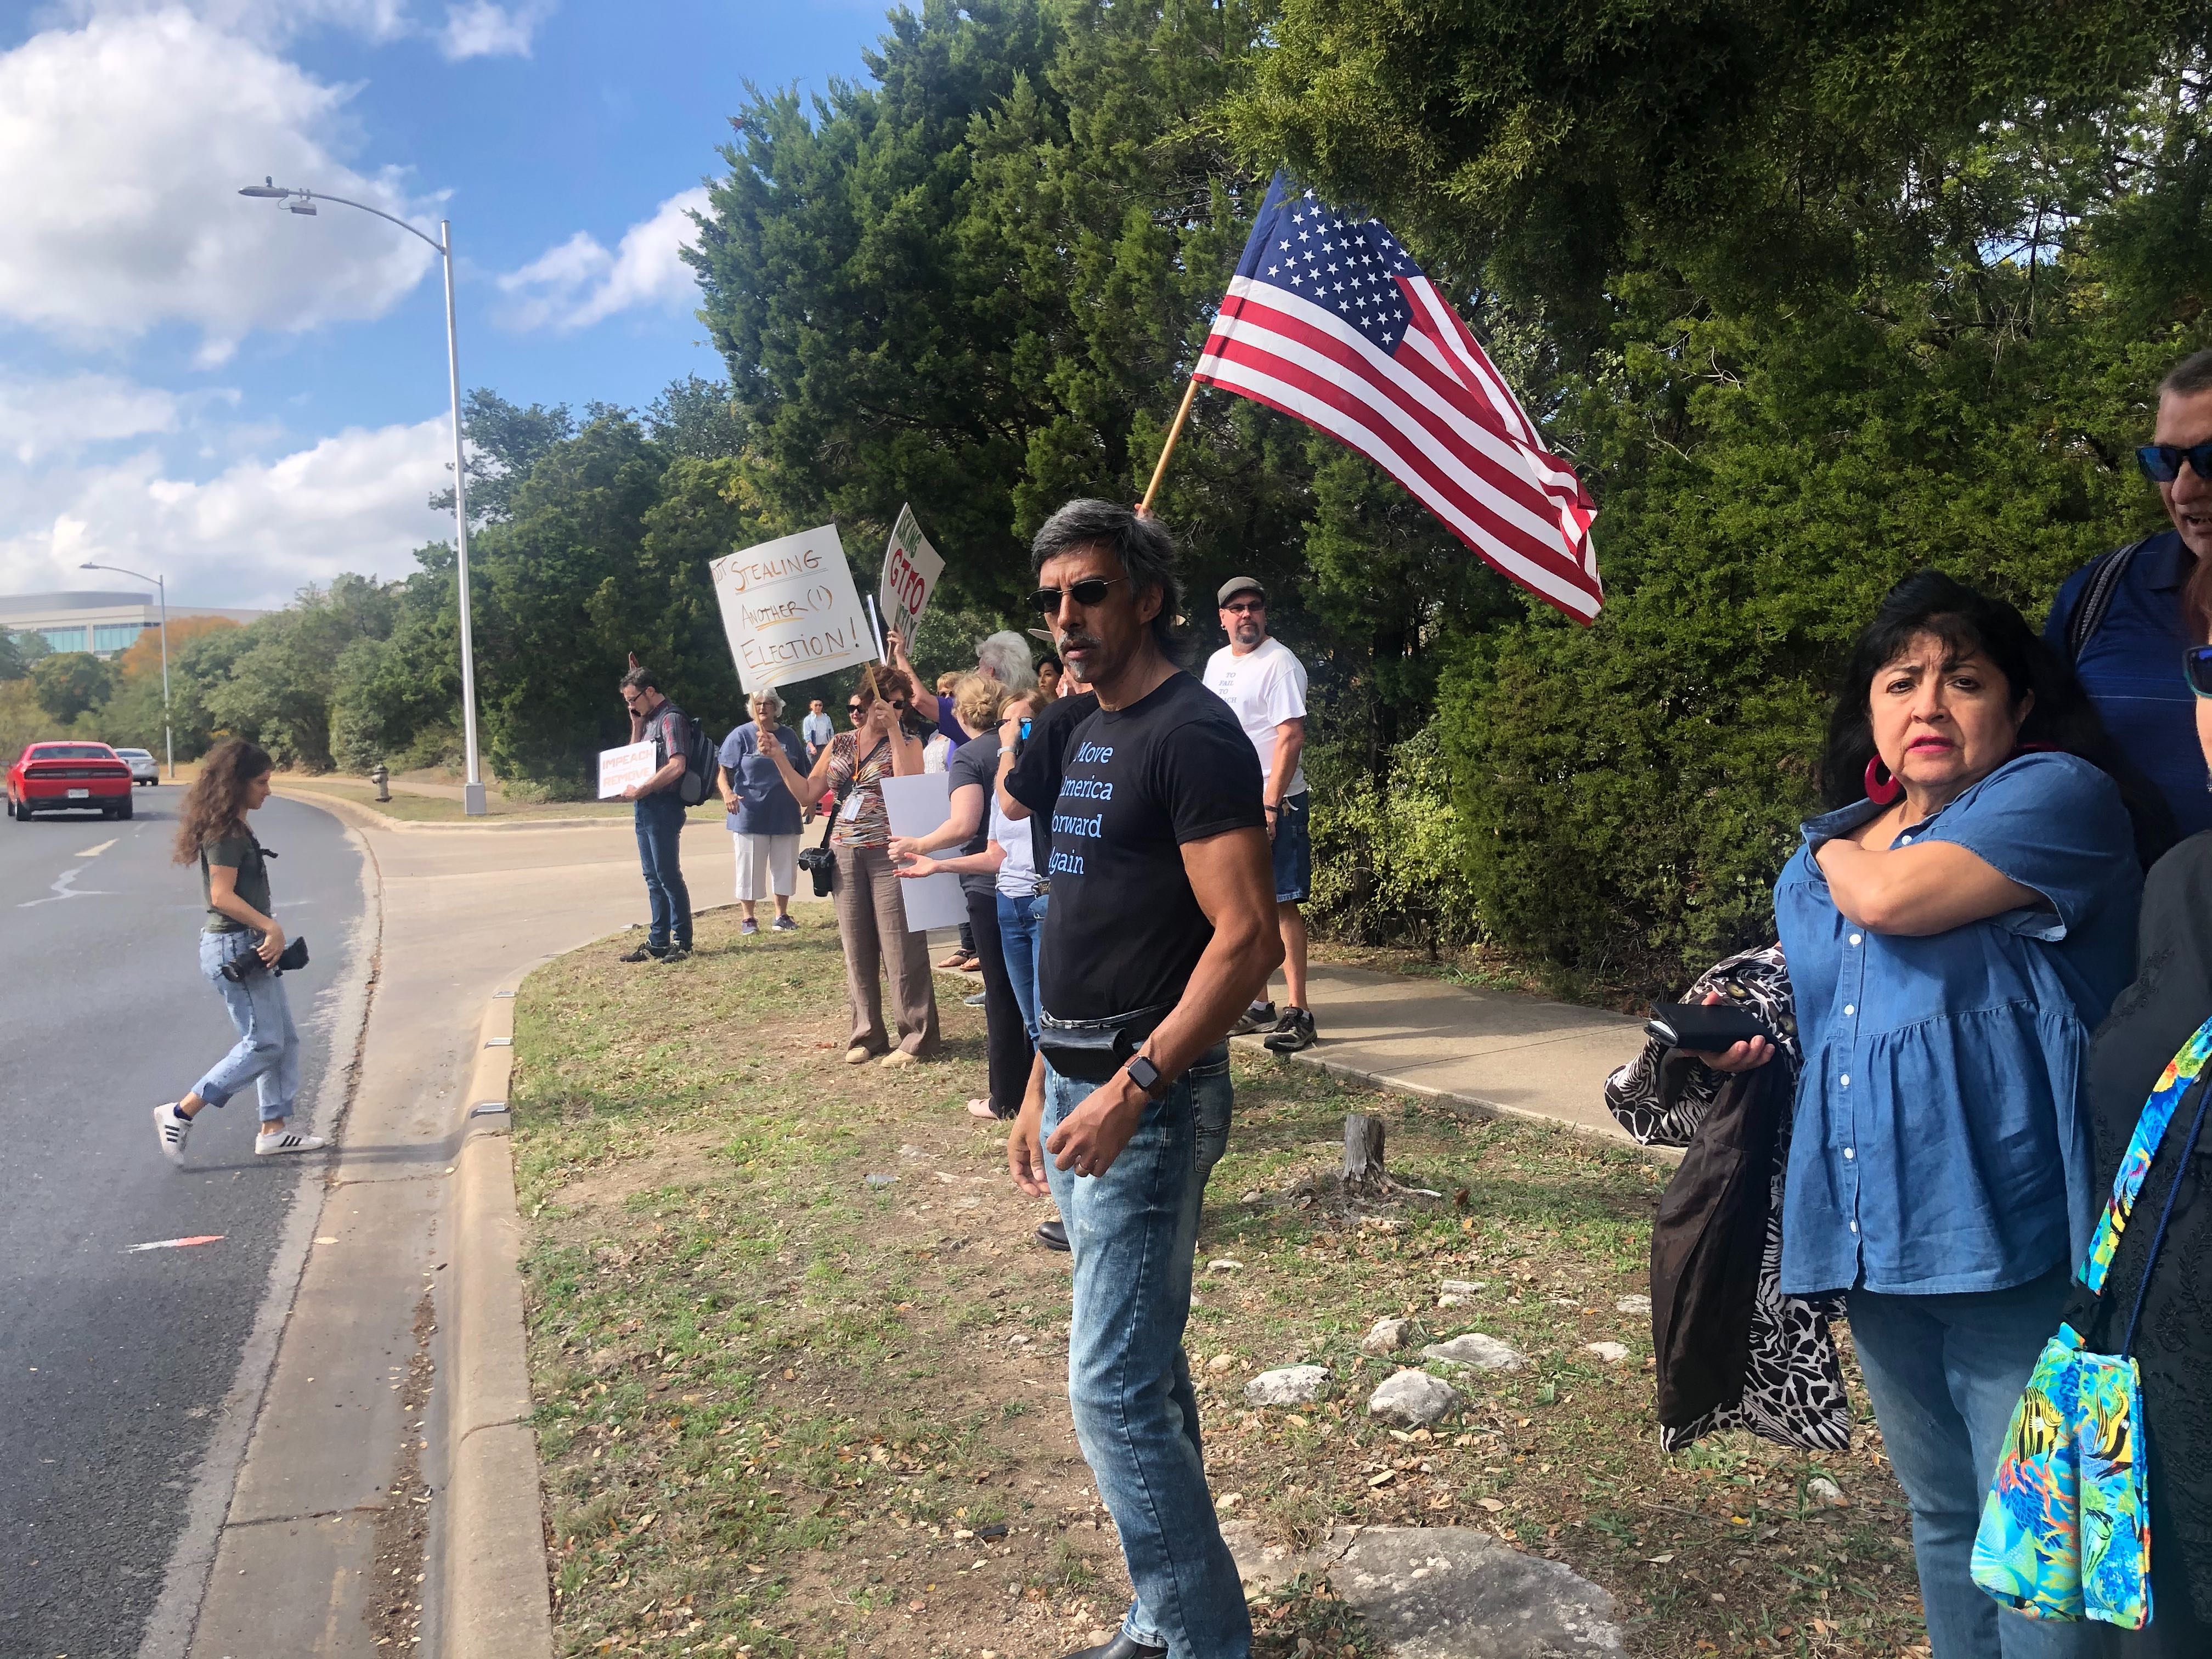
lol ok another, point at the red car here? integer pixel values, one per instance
(55, 777)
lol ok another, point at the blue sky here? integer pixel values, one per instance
(248, 400)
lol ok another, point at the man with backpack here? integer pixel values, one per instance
(684, 773)
(2119, 618)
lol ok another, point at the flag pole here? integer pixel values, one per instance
(1160, 471)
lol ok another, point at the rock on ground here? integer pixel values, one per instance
(1463, 1286)
(1455, 1592)
(1288, 1385)
(1478, 1352)
(1414, 1398)
(1821, 1489)
(1270, 1566)
(1612, 1352)
(1387, 1336)
(1639, 1304)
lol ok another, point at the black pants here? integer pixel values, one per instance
(1008, 1042)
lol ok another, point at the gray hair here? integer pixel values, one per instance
(2192, 375)
(765, 695)
(1006, 657)
(1142, 545)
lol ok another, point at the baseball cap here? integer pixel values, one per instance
(1237, 585)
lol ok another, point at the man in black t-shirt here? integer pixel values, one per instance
(659, 812)
(1160, 930)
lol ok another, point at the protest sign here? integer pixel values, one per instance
(791, 609)
(619, 769)
(915, 806)
(911, 567)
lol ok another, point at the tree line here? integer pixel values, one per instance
(1812, 298)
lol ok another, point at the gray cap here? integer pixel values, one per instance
(1237, 585)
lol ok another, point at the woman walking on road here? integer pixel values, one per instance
(239, 948)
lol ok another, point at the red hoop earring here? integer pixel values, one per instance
(1881, 788)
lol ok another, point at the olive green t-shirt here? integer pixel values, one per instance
(243, 854)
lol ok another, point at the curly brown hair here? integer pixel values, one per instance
(216, 803)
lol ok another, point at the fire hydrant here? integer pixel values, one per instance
(381, 777)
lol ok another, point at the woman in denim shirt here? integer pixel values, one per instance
(1954, 927)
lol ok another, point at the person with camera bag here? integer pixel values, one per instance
(871, 913)
(243, 952)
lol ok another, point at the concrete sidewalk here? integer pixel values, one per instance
(1494, 1050)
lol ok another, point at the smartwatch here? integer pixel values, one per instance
(1146, 1076)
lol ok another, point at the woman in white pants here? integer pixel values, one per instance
(763, 814)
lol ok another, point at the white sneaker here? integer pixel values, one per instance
(173, 1125)
(269, 1145)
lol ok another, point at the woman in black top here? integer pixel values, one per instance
(2171, 997)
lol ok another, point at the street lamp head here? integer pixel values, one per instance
(307, 208)
(268, 189)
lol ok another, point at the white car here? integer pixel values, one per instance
(145, 768)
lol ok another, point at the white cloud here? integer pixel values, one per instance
(580, 283)
(122, 146)
(481, 29)
(41, 418)
(253, 534)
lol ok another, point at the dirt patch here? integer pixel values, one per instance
(403, 1523)
(801, 1369)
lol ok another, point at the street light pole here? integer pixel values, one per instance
(162, 585)
(303, 201)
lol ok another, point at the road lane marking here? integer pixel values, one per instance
(65, 889)
(95, 851)
(176, 1243)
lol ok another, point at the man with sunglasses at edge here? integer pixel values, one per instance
(1161, 930)
(2118, 618)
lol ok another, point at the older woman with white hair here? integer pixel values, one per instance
(763, 814)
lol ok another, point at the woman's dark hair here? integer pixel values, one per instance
(215, 806)
(1968, 621)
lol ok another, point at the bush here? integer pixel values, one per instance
(1390, 858)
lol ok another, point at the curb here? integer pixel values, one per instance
(492, 1568)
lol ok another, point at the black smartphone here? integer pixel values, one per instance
(1707, 1027)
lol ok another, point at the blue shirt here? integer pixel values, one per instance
(764, 805)
(2131, 668)
(1942, 1127)
(818, 730)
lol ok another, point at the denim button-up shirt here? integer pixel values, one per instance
(1942, 1130)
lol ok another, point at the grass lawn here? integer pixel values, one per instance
(413, 808)
(800, 1370)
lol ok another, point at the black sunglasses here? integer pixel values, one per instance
(2196, 669)
(1091, 591)
(852, 708)
(2161, 463)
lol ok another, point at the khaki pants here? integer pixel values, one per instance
(872, 923)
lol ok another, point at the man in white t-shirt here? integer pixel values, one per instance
(1264, 684)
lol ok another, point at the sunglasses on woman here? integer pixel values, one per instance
(2161, 463)
(1091, 591)
(2197, 668)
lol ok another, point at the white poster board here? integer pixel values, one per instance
(917, 805)
(911, 567)
(620, 768)
(791, 609)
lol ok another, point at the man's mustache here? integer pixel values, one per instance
(1068, 641)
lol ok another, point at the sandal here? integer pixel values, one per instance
(954, 960)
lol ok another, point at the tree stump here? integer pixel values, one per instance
(1363, 1147)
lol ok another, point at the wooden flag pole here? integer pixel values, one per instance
(1160, 471)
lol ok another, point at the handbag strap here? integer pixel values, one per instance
(2181, 1071)
(2164, 1215)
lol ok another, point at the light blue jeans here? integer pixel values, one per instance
(1021, 925)
(1944, 1373)
(267, 1052)
(1131, 1234)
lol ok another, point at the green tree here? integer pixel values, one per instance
(18, 652)
(504, 441)
(69, 682)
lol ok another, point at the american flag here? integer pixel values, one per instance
(1330, 320)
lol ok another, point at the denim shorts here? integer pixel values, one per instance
(1293, 850)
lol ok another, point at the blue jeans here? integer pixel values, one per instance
(659, 833)
(267, 1052)
(1021, 925)
(1944, 1373)
(1131, 1233)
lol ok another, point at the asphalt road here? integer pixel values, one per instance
(113, 1362)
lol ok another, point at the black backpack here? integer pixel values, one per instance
(702, 759)
(2096, 598)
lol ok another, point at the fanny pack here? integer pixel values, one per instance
(240, 968)
(1092, 1050)
(2065, 1534)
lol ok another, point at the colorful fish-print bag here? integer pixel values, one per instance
(2066, 1531)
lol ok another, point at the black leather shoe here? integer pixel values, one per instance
(1053, 1235)
(1121, 1647)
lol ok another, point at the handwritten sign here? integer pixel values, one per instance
(911, 567)
(791, 609)
(620, 768)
